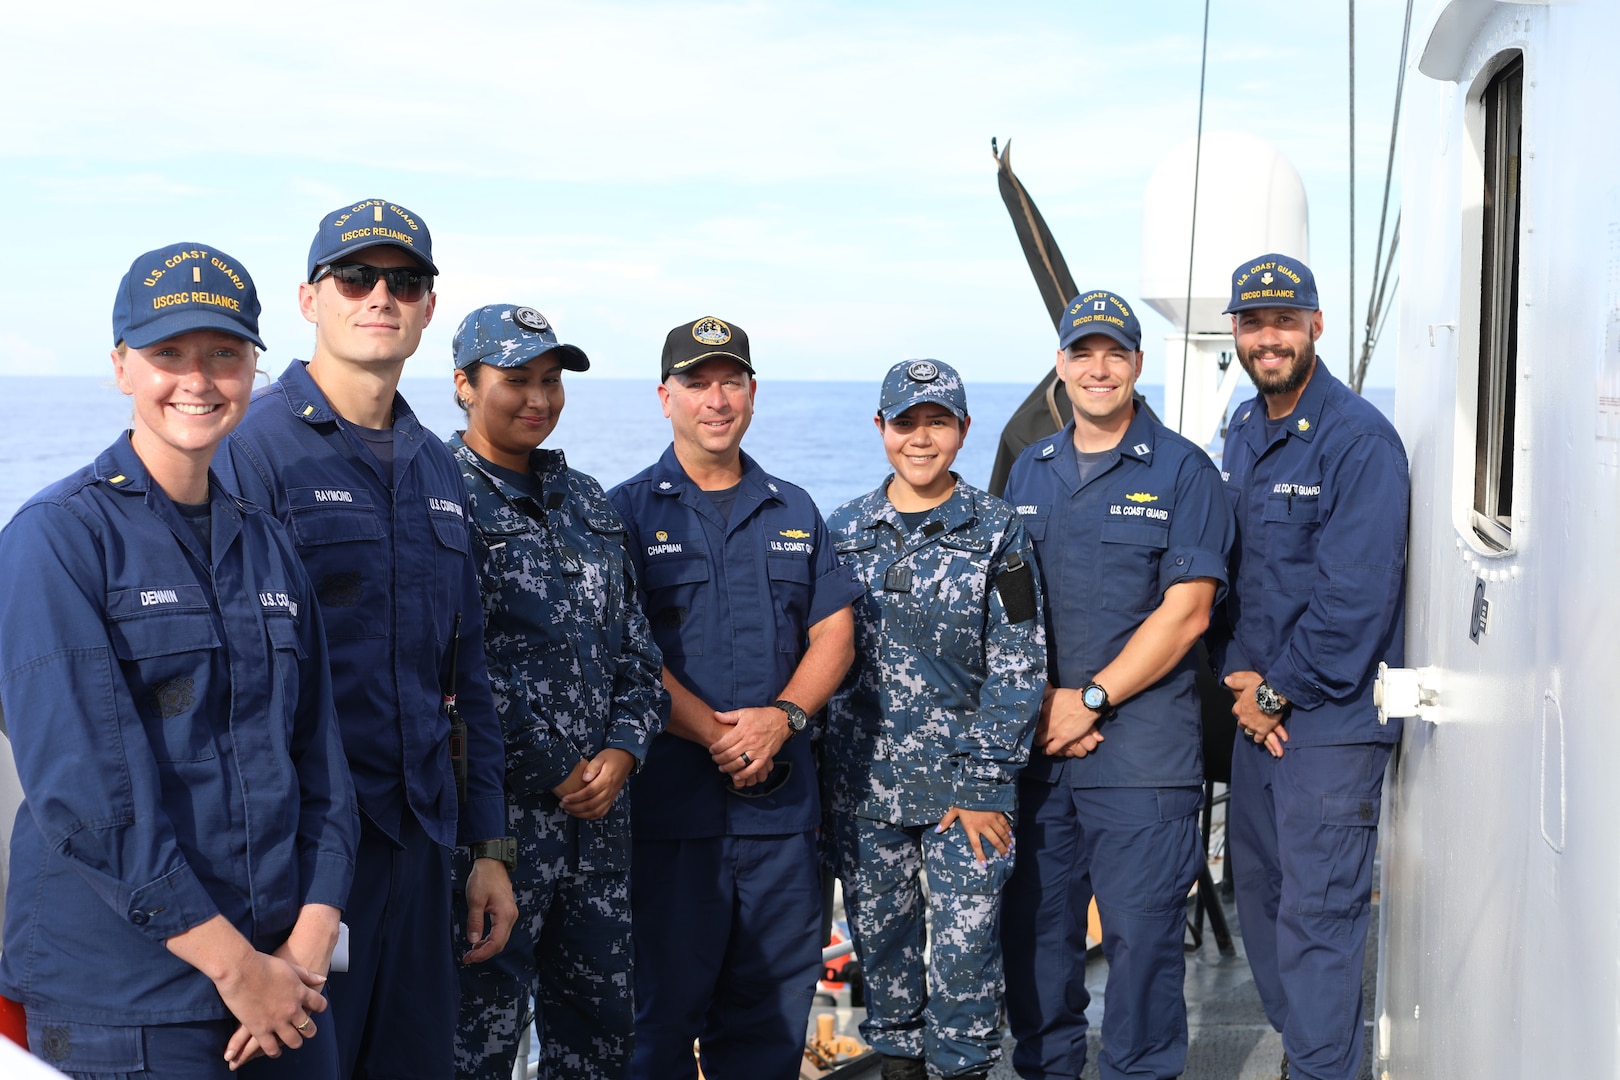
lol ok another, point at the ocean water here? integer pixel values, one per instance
(818, 435)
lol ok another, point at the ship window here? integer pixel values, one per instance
(1498, 309)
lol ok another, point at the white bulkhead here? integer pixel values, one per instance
(1500, 913)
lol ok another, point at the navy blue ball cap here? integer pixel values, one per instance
(912, 382)
(184, 287)
(370, 223)
(703, 339)
(508, 336)
(1273, 281)
(1100, 312)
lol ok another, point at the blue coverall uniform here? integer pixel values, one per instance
(1119, 823)
(574, 672)
(388, 559)
(1317, 601)
(938, 711)
(725, 893)
(171, 715)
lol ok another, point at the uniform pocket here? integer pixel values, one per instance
(790, 596)
(449, 566)
(1291, 543)
(674, 597)
(335, 530)
(166, 658)
(1129, 564)
(87, 1049)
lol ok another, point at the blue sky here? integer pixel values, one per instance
(819, 173)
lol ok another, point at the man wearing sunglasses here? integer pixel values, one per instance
(752, 612)
(376, 507)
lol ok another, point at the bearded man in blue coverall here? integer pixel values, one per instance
(751, 610)
(1131, 534)
(377, 510)
(1318, 479)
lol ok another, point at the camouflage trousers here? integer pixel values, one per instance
(947, 1010)
(570, 951)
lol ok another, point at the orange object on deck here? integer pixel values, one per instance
(13, 1022)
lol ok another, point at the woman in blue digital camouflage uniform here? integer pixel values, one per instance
(186, 841)
(928, 732)
(575, 675)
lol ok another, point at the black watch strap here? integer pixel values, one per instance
(503, 848)
(1093, 691)
(797, 717)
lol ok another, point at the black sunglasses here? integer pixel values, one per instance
(355, 281)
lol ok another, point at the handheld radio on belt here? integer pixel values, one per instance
(458, 726)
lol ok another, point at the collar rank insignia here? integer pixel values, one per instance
(663, 485)
(1142, 497)
(1244, 417)
(1304, 424)
(1048, 450)
(772, 487)
(921, 371)
(530, 319)
(1141, 448)
(794, 534)
(710, 331)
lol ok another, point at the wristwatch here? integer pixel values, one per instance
(797, 717)
(503, 848)
(1268, 700)
(1095, 698)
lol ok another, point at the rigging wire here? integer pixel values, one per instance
(1359, 372)
(1192, 230)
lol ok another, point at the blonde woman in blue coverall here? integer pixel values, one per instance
(186, 843)
(575, 676)
(927, 735)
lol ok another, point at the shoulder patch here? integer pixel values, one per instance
(1016, 586)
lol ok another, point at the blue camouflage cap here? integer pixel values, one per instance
(1273, 281)
(365, 224)
(1100, 312)
(911, 382)
(507, 336)
(184, 287)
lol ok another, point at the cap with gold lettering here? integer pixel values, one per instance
(509, 335)
(1100, 312)
(370, 223)
(1273, 281)
(704, 339)
(184, 287)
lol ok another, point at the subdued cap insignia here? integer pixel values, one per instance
(710, 331)
(922, 371)
(530, 319)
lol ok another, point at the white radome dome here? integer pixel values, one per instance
(1251, 201)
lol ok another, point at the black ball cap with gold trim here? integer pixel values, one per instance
(704, 339)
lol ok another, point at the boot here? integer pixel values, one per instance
(902, 1068)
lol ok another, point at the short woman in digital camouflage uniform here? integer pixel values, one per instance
(575, 675)
(927, 735)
